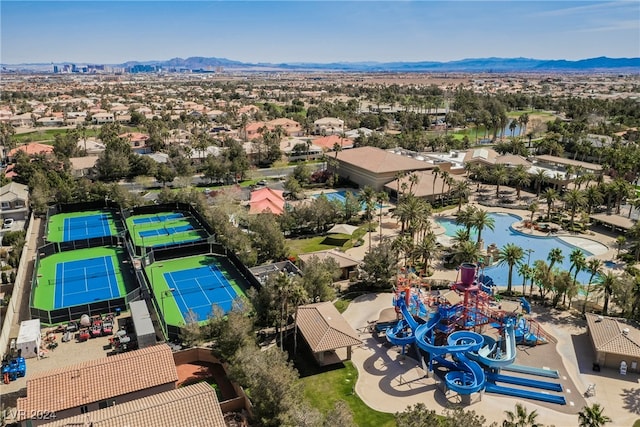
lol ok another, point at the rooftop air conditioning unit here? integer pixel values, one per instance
(599, 318)
(625, 331)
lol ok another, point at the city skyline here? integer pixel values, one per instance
(316, 31)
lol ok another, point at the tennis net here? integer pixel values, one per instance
(80, 278)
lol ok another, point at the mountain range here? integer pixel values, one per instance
(600, 64)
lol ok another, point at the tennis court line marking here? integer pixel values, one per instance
(108, 275)
(62, 286)
(179, 294)
(215, 274)
(202, 290)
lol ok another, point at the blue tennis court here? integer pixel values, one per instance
(198, 289)
(158, 218)
(86, 227)
(165, 231)
(84, 281)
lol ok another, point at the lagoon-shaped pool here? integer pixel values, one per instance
(503, 233)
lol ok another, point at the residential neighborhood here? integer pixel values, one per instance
(254, 241)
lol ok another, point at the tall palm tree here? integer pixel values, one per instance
(550, 196)
(367, 196)
(574, 199)
(523, 120)
(526, 272)
(521, 417)
(607, 282)
(500, 176)
(520, 178)
(445, 177)
(460, 237)
(482, 220)
(427, 249)
(533, 208)
(593, 197)
(579, 263)
(462, 191)
(594, 266)
(555, 256)
(540, 177)
(466, 217)
(592, 416)
(511, 255)
(381, 198)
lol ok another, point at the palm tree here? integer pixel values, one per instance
(512, 127)
(533, 208)
(466, 252)
(520, 178)
(466, 217)
(381, 197)
(460, 237)
(511, 255)
(550, 196)
(500, 176)
(427, 249)
(555, 256)
(540, 177)
(607, 282)
(620, 241)
(461, 191)
(445, 177)
(523, 120)
(592, 416)
(367, 196)
(574, 199)
(594, 197)
(594, 266)
(521, 417)
(526, 272)
(482, 220)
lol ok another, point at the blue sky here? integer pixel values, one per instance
(316, 31)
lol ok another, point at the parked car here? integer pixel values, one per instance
(8, 223)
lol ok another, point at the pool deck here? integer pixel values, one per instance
(390, 228)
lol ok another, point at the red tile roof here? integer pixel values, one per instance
(195, 406)
(266, 199)
(32, 148)
(99, 379)
(327, 142)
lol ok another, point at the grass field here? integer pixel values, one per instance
(44, 295)
(55, 227)
(324, 389)
(160, 287)
(320, 243)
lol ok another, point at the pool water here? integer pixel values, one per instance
(341, 195)
(503, 234)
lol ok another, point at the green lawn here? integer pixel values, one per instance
(323, 390)
(47, 135)
(320, 243)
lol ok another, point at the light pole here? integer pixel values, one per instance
(163, 295)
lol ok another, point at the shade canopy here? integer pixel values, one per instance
(343, 229)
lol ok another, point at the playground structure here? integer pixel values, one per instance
(449, 339)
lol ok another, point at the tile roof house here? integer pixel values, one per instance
(266, 199)
(328, 126)
(375, 167)
(31, 149)
(83, 166)
(97, 384)
(325, 330)
(327, 142)
(194, 405)
(346, 263)
(14, 201)
(291, 127)
(614, 341)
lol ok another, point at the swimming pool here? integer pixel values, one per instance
(540, 246)
(341, 195)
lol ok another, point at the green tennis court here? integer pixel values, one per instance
(65, 227)
(164, 229)
(194, 283)
(53, 290)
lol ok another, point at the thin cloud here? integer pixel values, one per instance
(631, 5)
(614, 26)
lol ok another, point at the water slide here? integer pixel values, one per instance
(492, 354)
(400, 334)
(541, 372)
(527, 382)
(525, 305)
(526, 394)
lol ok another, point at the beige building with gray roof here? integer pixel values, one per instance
(614, 341)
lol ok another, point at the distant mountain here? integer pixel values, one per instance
(472, 65)
(465, 65)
